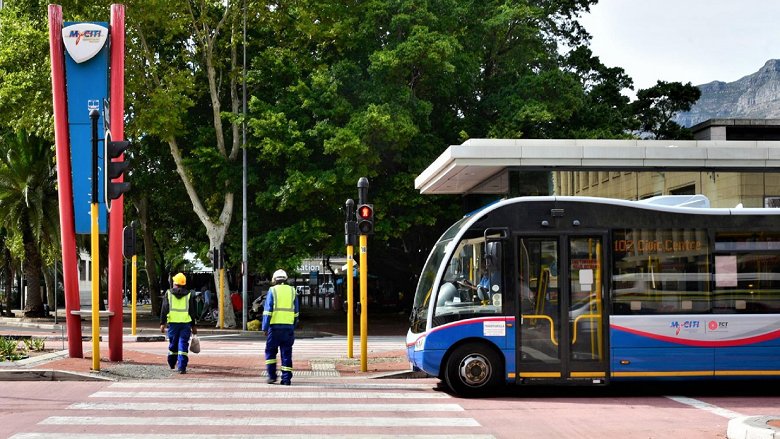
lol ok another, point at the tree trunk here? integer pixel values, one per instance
(142, 206)
(9, 283)
(32, 272)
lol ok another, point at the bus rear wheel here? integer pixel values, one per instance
(473, 369)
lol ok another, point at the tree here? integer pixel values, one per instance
(655, 107)
(347, 89)
(25, 90)
(186, 56)
(27, 198)
(338, 90)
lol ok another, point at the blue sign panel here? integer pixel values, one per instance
(87, 87)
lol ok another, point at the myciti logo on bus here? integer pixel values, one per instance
(84, 40)
(685, 324)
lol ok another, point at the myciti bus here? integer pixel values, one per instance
(580, 290)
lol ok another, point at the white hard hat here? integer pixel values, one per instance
(279, 275)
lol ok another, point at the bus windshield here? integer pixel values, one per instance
(422, 297)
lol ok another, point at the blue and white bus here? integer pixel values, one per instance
(580, 290)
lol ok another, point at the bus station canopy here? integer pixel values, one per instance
(480, 165)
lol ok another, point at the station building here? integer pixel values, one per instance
(731, 161)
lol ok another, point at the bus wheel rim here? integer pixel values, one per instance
(474, 370)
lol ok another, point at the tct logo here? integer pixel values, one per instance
(84, 40)
(714, 325)
(685, 324)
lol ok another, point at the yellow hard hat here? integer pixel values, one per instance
(180, 279)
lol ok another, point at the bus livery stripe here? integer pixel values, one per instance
(769, 336)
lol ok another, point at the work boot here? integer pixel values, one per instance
(285, 383)
(271, 380)
(182, 371)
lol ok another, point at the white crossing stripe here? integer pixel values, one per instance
(181, 385)
(233, 409)
(253, 421)
(159, 406)
(243, 436)
(701, 405)
(270, 395)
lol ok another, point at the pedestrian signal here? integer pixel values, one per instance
(365, 219)
(115, 169)
(128, 241)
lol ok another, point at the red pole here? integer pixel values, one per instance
(116, 217)
(67, 222)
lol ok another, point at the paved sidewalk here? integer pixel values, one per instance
(320, 350)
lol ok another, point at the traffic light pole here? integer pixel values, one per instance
(362, 199)
(350, 300)
(95, 231)
(363, 303)
(134, 294)
(349, 237)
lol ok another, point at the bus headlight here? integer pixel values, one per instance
(419, 344)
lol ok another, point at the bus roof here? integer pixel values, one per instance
(690, 204)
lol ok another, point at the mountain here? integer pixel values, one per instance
(754, 96)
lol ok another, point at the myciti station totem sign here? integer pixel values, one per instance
(84, 40)
(87, 75)
(88, 87)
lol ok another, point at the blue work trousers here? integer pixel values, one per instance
(281, 338)
(178, 344)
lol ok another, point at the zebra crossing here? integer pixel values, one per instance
(240, 410)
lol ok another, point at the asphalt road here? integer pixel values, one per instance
(348, 407)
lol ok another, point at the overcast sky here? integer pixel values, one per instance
(685, 40)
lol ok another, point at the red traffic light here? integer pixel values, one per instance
(365, 212)
(365, 219)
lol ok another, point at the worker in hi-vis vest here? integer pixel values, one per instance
(280, 316)
(179, 313)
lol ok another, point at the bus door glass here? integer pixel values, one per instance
(586, 308)
(539, 335)
(561, 326)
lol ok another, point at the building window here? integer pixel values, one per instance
(688, 189)
(771, 201)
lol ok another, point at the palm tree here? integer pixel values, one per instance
(28, 207)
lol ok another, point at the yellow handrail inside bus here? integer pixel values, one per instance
(543, 317)
(541, 289)
(584, 316)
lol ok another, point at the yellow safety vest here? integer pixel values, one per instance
(179, 308)
(284, 305)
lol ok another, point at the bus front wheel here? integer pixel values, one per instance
(473, 369)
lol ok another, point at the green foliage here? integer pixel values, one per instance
(34, 344)
(337, 90)
(12, 350)
(27, 201)
(9, 350)
(25, 88)
(656, 106)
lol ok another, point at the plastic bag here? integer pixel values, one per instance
(254, 325)
(195, 344)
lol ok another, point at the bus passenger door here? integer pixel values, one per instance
(561, 334)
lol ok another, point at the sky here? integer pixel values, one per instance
(695, 41)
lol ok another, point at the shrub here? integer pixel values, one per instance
(35, 344)
(9, 350)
